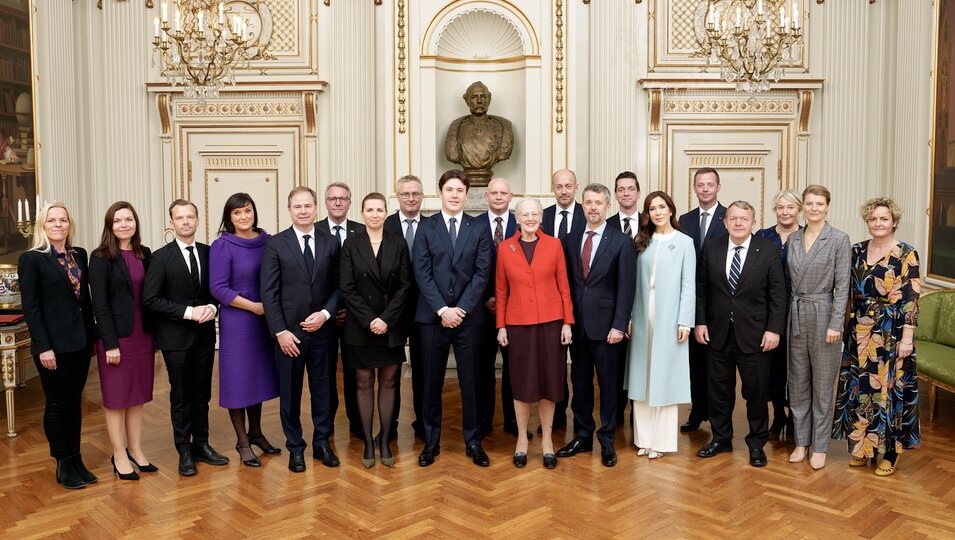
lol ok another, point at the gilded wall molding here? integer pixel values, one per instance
(805, 107)
(559, 65)
(728, 105)
(310, 112)
(163, 103)
(402, 69)
(240, 108)
(242, 162)
(656, 99)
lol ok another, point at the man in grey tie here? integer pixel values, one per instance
(701, 224)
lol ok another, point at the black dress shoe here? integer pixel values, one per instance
(328, 457)
(296, 462)
(478, 455)
(576, 446)
(187, 466)
(149, 467)
(690, 426)
(428, 454)
(520, 459)
(207, 454)
(757, 458)
(714, 448)
(550, 461)
(85, 475)
(608, 456)
(264, 445)
(67, 476)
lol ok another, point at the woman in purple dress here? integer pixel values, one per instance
(124, 349)
(247, 375)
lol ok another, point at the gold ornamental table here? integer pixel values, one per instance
(13, 339)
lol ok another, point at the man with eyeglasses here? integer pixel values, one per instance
(337, 224)
(410, 193)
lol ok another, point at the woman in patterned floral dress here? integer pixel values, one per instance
(877, 399)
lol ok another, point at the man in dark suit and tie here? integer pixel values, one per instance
(299, 283)
(176, 289)
(405, 223)
(452, 256)
(559, 220)
(701, 224)
(337, 203)
(601, 267)
(501, 225)
(740, 313)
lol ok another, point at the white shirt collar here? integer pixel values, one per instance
(730, 247)
(405, 217)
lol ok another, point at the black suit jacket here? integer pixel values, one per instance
(370, 290)
(112, 291)
(509, 231)
(614, 222)
(577, 223)
(393, 226)
(168, 291)
(453, 278)
(690, 223)
(351, 227)
(604, 300)
(57, 320)
(289, 294)
(757, 306)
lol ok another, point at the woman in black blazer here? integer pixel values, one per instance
(125, 350)
(56, 303)
(375, 277)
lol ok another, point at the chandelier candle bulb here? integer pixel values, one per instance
(221, 14)
(178, 26)
(26, 208)
(156, 24)
(19, 209)
(165, 12)
(795, 15)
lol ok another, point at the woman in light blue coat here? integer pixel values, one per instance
(658, 367)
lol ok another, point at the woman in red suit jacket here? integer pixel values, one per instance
(534, 315)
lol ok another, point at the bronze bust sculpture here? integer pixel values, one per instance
(479, 140)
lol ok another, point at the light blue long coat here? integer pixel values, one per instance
(669, 367)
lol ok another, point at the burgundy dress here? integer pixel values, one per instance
(129, 383)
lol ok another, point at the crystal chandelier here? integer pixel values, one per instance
(198, 50)
(752, 40)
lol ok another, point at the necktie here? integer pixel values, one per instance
(562, 228)
(703, 223)
(193, 267)
(454, 231)
(626, 227)
(735, 269)
(409, 233)
(498, 231)
(585, 254)
(309, 258)
(338, 234)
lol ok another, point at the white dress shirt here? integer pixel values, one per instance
(557, 217)
(634, 223)
(596, 241)
(457, 230)
(731, 250)
(492, 219)
(185, 255)
(343, 225)
(404, 224)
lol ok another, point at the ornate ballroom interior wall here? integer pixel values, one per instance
(363, 93)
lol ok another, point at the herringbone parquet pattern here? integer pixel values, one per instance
(679, 496)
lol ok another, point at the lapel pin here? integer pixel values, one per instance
(511, 246)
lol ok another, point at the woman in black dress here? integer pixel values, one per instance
(375, 277)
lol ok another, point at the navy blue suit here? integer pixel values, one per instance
(577, 225)
(699, 396)
(289, 296)
(602, 302)
(452, 277)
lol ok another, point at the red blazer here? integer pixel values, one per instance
(535, 293)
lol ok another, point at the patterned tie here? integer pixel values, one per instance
(193, 267)
(454, 232)
(498, 231)
(338, 234)
(309, 258)
(626, 227)
(585, 254)
(703, 222)
(562, 228)
(409, 234)
(735, 269)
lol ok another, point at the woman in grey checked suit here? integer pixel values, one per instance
(818, 265)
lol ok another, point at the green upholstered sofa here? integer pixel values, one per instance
(935, 343)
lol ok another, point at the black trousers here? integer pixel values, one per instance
(699, 383)
(63, 411)
(190, 389)
(778, 379)
(754, 375)
(349, 385)
(436, 342)
(622, 399)
(415, 355)
(314, 356)
(587, 356)
(487, 379)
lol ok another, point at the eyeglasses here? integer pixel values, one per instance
(526, 215)
(411, 195)
(337, 199)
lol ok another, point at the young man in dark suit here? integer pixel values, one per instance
(405, 223)
(740, 313)
(701, 224)
(451, 261)
(176, 290)
(299, 283)
(601, 267)
(337, 224)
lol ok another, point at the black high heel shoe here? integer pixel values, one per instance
(264, 445)
(149, 467)
(251, 462)
(123, 476)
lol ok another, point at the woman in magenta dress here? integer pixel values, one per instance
(124, 349)
(247, 375)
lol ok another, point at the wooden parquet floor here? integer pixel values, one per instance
(679, 496)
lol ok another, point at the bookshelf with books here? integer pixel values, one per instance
(14, 64)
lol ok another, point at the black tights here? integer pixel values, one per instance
(365, 379)
(242, 435)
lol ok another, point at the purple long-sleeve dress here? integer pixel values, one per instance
(247, 373)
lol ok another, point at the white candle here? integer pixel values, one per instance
(19, 209)
(759, 7)
(795, 15)
(782, 16)
(178, 20)
(26, 209)
(202, 26)
(221, 14)
(165, 11)
(156, 24)
(739, 17)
